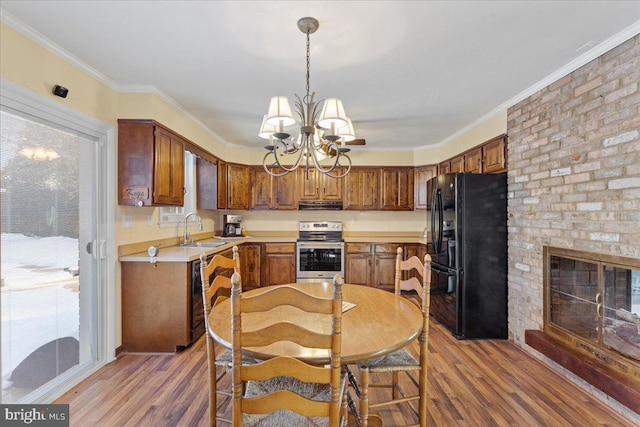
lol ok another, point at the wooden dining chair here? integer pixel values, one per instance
(216, 277)
(401, 360)
(285, 391)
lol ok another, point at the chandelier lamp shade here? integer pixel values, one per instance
(324, 129)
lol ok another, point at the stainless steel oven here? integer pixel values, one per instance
(319, 251)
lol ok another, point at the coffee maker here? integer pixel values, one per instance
(231, 226)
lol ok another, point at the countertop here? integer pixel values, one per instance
(189, 253)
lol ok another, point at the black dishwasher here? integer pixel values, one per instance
(197, 307)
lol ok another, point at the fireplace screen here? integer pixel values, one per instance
(596, 299)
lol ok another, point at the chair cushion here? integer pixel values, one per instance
(225, 359)
(283, 417)
(400, 360)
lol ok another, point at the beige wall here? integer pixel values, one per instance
(32, 66)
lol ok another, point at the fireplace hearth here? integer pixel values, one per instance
(592, 320)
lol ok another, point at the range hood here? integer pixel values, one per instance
(318, 205)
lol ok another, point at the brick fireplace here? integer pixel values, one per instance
(574, 175)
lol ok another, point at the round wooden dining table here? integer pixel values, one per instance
(381, 322)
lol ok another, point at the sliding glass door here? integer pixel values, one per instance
(50, 255)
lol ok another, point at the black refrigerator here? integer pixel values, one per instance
(468, 214)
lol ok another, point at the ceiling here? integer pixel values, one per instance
(410, 73)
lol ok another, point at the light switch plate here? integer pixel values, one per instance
(127, 221)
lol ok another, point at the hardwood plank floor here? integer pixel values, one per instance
(471, 383)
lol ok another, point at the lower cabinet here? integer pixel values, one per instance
(358, 261)
(413, 249)
(250, 265)
(374, 264)
(278, 264)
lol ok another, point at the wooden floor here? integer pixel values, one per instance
(471, 383)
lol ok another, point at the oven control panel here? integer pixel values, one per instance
(316, 226)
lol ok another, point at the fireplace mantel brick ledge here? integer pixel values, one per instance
(618, 386)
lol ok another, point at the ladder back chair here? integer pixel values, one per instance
(401, 360)
(216, 276)
(285, 391)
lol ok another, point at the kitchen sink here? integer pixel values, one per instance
(204, 244)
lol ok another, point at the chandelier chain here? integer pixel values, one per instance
(308, 61)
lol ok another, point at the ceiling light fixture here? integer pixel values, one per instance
(323, 133)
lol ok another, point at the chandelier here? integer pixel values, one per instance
(323, 132)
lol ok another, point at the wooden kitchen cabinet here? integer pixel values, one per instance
(358, 259)
(250, 265)
(285, 191)
(384, 266)
(396, 188)
(473, 161)
(222, 185)
(273, 192)
(422, 175)
(361, 189)
(319, 186)
(206, 184)
(371, 264)
(444, 167)
(494, 155)
(261, 189)
(457, 164)
(488, 157)
(238, 184)
(278, 264)
(413, 249)
(150, 164)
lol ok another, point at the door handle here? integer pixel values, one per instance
(91, 248)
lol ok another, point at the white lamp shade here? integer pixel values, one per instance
(347, 133)
(280, 112)
(332, 113)
(266, 130)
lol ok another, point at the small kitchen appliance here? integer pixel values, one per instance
(232, 226)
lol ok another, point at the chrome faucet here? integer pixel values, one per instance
(185, 238)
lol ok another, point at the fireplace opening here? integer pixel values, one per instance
(597, 300)
(592, 320)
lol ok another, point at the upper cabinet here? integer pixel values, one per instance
(233, 186)
(361, 188)
(238, 185)
(423, 174)
(319, 186)
(473, 161)
(396, 188)
(207, 184)
(273, 192)
(261, 189)
(222, 185)
(150, 164)
(494, 155)
(488, 157)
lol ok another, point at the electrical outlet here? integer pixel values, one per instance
(127, 221)
(150, 220)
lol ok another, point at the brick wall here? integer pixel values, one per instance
(574, 174)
